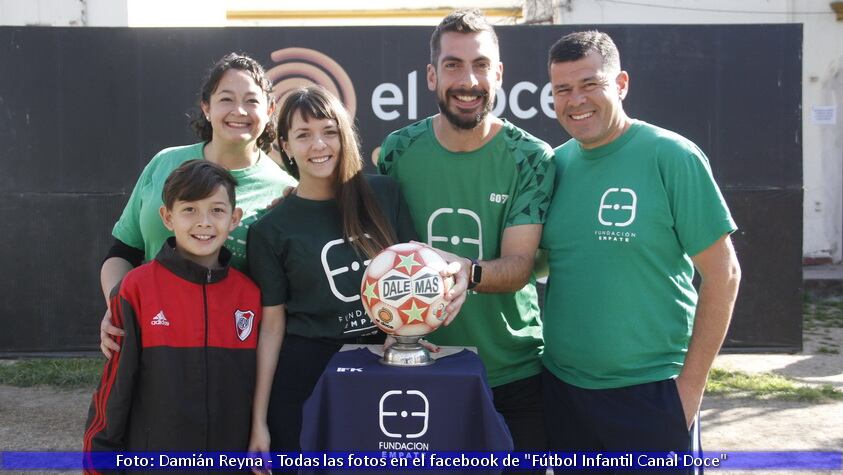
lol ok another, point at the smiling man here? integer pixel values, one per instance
(479, 187)
(635, 211)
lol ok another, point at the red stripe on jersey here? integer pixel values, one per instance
(106, 384)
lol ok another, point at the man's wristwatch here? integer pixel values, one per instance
(475, 274)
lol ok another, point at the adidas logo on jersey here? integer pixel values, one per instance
(160, 319)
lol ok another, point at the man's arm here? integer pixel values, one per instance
(721, 274)
(511, 271)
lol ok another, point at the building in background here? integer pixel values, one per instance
(822, 71)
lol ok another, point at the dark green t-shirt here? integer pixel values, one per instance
(299, 258)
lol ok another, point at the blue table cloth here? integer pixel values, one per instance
(360, 404)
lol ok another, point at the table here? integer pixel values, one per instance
(360, 404)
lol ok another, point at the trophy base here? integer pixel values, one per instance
(407, 352)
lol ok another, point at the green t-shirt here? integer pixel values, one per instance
(299, 258)
(462, 203)
(625, 217)
(140, 224)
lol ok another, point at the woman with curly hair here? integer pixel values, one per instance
(236, 130)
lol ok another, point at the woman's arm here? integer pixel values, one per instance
(111, 273)
(273, 326)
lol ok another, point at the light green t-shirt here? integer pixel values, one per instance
(462, 203)
(625, 217)
(140, 224)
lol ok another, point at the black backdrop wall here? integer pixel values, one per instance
(83, 109)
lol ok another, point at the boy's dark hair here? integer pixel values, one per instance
(577, 45)
(469, 20)
(197, 179)
(239, 62)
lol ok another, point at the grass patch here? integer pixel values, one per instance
(823, 313)
(62, 373)
(767, 386)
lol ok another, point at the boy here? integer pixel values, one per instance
(185, 377)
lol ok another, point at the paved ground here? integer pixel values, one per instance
(741, 424)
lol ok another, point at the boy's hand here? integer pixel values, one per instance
(107, 344)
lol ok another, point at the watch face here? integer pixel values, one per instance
(476, 273)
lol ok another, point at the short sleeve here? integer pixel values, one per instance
(265, 267)
(127, 228)
(700, 213)
(536, 171)
(385, 162)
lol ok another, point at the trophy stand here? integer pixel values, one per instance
(407, 352)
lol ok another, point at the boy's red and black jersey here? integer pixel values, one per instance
(185, 375)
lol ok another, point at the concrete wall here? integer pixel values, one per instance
(172, 13)
(43, 12)
(204, 13)
(64, 12)
(822, 85)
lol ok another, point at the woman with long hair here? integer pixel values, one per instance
(236, 130)
(309, 253)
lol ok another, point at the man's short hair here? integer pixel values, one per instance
(469, 20)
(577, 45)
(195, 180)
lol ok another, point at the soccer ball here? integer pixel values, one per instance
(403, 291)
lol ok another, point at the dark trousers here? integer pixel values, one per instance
(641, 418)
(300, 363)
(520, 404)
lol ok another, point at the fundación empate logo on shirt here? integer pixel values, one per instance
(454, 240)
(616, 211)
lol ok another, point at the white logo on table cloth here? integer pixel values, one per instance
(384, 415)
(349, 370)
(243, 323)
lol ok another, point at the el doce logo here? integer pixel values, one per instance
(300, 67)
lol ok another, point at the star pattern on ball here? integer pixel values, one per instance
(408, 262)
(414, 313)
(369, 291)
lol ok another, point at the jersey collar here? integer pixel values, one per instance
(189, 270)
